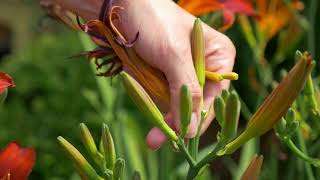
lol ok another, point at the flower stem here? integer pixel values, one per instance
(186, 153)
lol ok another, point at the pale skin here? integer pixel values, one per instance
(164, 41)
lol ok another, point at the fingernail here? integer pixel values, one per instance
(193, 127)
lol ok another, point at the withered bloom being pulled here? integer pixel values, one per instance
(114, 51)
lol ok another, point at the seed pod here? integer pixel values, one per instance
(232, 113)
(89, 143)
(108, 147)
(144, 102)
(276, 104)
(219, 109)
(197, 48)
(185, 109)
(77, 158)
(118, 169)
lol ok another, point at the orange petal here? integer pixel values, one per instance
(16, 161)
(5, 82)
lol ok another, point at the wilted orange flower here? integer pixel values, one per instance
(5, 82)
(273, 15)
(16, 163)
(229, 8)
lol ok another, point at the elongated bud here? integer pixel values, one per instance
(185, 109)
(198, 54)
(89, 143)
(143, 101)
(232, 113)
(276, 104)
(81, 163)
(219, 109)
(225, 94)
(118, 169)
(108, 147)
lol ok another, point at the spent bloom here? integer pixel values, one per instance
(16, 163)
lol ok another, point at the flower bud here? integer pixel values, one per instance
(280, 127)
(232, 113)
(198, 54)
(144, 102)
(225, 94)
(276, 104)
(290, 116)
(108, 174)
(118, 169)
(219, 109)
(89, 143)
(81, 163)
(108, 147)
(185, 109)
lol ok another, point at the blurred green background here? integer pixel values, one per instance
(54, 93)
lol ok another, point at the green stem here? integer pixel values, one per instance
(312, 20)
(301, 153)
(186, 153)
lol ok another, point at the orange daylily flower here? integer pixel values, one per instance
(229, 8)
(273, 15)
(5, 82)
(16, 163)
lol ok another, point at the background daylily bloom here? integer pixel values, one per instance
(16, 163)
(5, 82)
(273, 15)
(229, 8)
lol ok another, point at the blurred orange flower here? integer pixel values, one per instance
(16, 163)
(273, 15)
(5, 82)
(229, 8)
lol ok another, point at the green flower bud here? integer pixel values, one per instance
(276, 104)
(198, 54)
(219, 109)
(185, 109)
(89, 143)
(280, 127)
(81, 163)
(232, 113)
(291, 116)
(144, 102)
(118, 169)
(225, 94)
(108, 147)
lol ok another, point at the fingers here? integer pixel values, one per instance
(180, 73)
(220, 56)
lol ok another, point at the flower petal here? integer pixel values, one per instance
(16, 161)
(5, 82)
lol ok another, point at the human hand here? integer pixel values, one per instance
(164, 42)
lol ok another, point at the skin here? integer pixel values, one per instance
(164, 41)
